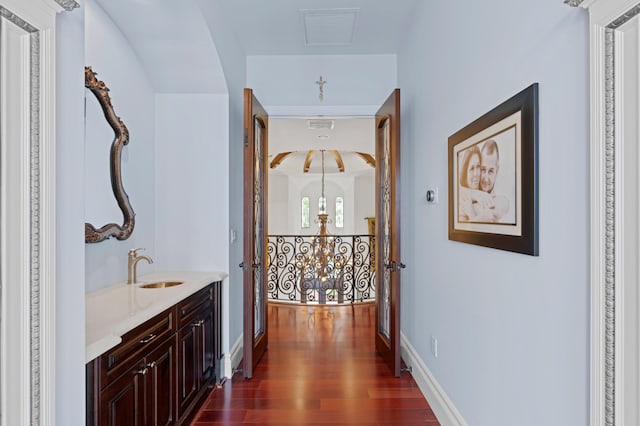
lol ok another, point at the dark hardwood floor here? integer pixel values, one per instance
(320, 368)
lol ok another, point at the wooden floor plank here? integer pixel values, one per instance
(370, 404)
(320, 368)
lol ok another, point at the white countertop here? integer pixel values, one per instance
(113, 311)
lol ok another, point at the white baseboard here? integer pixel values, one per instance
(232, 359)
(442, 407)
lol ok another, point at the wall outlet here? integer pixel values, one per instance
(233, 236)
(434, 346)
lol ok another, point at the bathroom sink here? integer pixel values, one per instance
(162, 284)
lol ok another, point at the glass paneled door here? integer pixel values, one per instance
(255, 232)
(388, 264)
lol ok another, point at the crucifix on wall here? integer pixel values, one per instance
(321, 84)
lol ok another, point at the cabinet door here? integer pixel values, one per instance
(122, 402)
(188, 365)
(217, 332)
(207, 348)
(160, 386)
(135, 345)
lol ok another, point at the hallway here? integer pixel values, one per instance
(320, 368)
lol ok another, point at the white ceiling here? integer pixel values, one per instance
(174, 44)
(292, 134)
(319, 27)
(172, 39)
(276, 27)
(346, 136)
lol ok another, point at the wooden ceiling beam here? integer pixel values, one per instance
(279, 158)
(307, 161)
(339, 161)
(368, 158)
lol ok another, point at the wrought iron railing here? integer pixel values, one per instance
(290, 277)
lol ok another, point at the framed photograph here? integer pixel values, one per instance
(493, 177)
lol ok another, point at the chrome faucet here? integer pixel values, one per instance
(133, 261)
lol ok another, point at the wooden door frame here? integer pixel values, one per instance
(395, 324)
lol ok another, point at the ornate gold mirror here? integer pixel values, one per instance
(117, 134)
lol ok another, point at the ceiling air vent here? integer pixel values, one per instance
(329, 27)
(317, 124)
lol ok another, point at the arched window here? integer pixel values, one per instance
(339, 212)
(322, 205)
(304, 213)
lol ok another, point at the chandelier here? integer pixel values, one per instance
(319, 262)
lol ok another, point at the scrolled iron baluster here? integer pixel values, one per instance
(289, 274)
(272, 271)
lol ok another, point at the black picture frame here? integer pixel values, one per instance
(493, 177)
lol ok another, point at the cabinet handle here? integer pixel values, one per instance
(148, 339)
(151, 365)
(143, 371)
(198, 324)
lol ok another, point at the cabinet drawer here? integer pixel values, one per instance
(137, 341)
(190, 308)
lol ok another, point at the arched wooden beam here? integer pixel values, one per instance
(307, 161)
(368, 158)
(279, 159)
(339, 161)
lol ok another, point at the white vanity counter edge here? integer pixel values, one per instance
(113, 311)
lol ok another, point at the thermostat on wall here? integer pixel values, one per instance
(432, 196)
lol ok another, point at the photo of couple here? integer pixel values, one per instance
(493, 177)
(484, 192)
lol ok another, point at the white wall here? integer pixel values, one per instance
(233, 62)
(70, 324)
(285, 197)
(512, 330)
(87, 36)
(365, 201)
(191, 182)
(310, 186)
(110, 55)
(351, 79)
(279, 214)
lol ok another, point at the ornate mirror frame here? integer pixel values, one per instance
(93, 235)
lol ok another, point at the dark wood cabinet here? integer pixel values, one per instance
(196, 358)
(160, 385)
(207, 332)
(188, 365)
(161, 371)
(122, 402)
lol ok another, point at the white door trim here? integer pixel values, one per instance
(29, 398)
(607, 369)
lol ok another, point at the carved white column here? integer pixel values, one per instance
(29, 395)
(606, 17)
